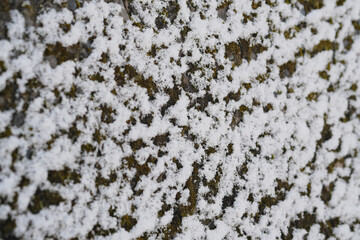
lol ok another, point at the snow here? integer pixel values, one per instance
(165, 137)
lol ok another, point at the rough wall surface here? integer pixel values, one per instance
(182, 119)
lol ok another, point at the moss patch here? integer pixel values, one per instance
(43, 199)
(324, 45)
(64, 176)
(310, 5)
(287, 69)
(128, 222)
(7, 228)
(242, 50)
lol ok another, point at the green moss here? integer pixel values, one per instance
(172, 10)
(6, 133)
(7, 227)
(291, 32)
(88, 147)
(72, 92)
(104, 58)
(324, 45)
(287, 69)
(328, 227)
(308, 189)
(184, 32)
(73, 133)
(160, 22)
(268, 107)
(63, 54)
(153, 51)
(63, 176)
(271, 3)
(106, 113)
(256, 4)
(230, 149)
(177, 163)
(130, 162)
(161, 140)
(112, 211)
(304, 220)
(326, 193)
(247, 86)
(242, 49)
(210, 150)
(193, 185)
(224, 4)
(138, 144)
(326, 134)
(8, 96)
(348, 42)
(242, 170)
(43, 199)
(99, 231)
(174, 94)
(310, 5)
(119, 76)
(348, 114)
(232, 51)
(353, 87)
(97, 77)
(128, 222)
(24, 182)
(255, 151)
(201, 103)
(139, 79)
(164, 208)
(5, 6)
(313, 96)
(101, 181)
(97, 136)
(340, 2)
(181, 211)
(331, 88)
(228, 200)
(324, 75)
(161, 177)
(281, 189)
(141, 169)
(356, 25)
(65, 27)
(2, 67)
(51, 141)
(239, 116)
(338, 162)
(147, 119)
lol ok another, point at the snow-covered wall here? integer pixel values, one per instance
(182, 119)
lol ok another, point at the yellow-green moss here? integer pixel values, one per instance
(313, 96)
(340, 2)
(7, 227)
(324, 75)
(128, 222)
(43, 199)
(310, 5)
(88, 147)
(63, 176)
(101, 181)
(287, 69)
(324, 45)
(6, 133)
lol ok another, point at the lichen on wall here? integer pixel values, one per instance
(189, 119)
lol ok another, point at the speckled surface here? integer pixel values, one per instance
(179, 119)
